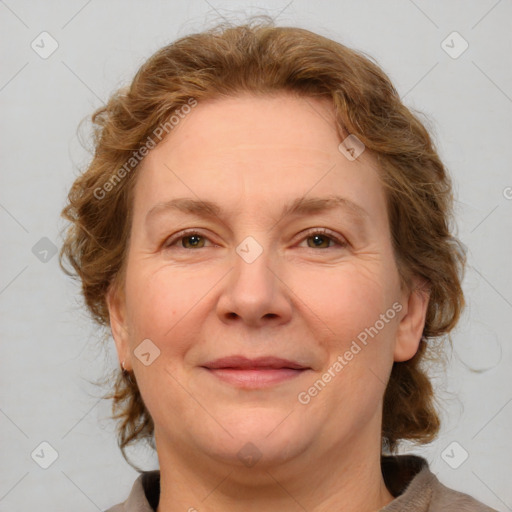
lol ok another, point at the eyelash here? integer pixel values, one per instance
(169, 242)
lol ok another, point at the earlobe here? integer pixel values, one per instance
(412, 323)
(116, 309)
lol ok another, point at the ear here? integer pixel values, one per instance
(410, 329)
(117, 314)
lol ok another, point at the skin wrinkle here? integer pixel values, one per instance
(161, 214)
(296, 303)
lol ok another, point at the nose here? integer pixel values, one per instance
(255, 293)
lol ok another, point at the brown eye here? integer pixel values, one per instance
(186, 240)
(319, 241)
(194, 241)
(323, 239)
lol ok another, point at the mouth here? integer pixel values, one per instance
(254, 373)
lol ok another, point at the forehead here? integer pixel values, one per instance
(248, 119)
(250, 150)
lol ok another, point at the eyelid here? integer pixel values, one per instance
(169, 241)
(338, 239)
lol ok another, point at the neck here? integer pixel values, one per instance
(347, 479)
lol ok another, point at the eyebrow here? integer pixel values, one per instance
(299, 206)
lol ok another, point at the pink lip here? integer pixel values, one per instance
(254, 373)
(244, 363)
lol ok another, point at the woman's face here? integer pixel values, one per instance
(252, 277)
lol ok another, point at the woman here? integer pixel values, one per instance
(265, 228)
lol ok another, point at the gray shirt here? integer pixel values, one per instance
(407, 477)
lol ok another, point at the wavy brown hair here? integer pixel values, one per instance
(260, 58)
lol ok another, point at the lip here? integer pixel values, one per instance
(248, 373)
(244, 363)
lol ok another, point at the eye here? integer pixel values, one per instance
(189, 239)
(192, 239)
(322, 236)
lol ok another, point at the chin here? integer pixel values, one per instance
(259, 439)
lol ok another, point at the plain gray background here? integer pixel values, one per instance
(50, 350)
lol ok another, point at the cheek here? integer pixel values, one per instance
(156, 301)
(345, 299)
(346, 306)
(168, 305)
